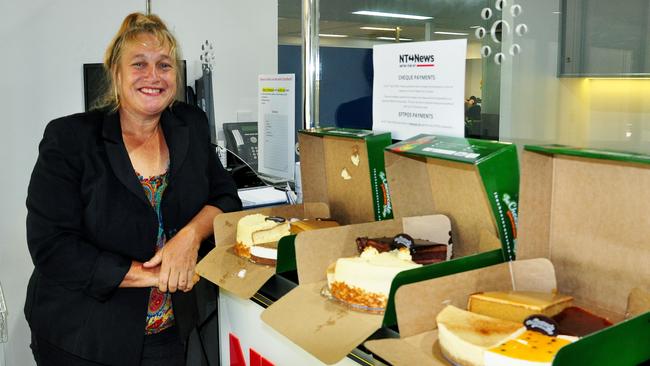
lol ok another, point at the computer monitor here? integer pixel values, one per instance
(95, 84)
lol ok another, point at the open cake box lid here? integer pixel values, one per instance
(586, 211)
(418, 304)
(474, 182)
(345, 168)
(325, 328)
(238, 275)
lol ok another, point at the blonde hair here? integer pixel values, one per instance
(134, 25)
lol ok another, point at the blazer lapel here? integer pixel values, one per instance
(178, 140)
(118, 156)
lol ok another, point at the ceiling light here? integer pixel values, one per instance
(379, 29)
(475, 26)
(451, 33)
(332, 35)
(393, 38)
(390, 15)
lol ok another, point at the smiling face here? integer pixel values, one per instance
(146, 77)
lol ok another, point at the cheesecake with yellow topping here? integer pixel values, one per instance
(470, 339)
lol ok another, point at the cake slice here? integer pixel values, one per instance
(298, 226)
(516, 306)
(464, 337)
(365, 280)
(257, 235)
(259, 229)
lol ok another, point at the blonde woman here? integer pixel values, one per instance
(120, 200)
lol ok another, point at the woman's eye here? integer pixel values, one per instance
(166, 66)
(139, 65)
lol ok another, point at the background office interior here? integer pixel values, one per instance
(45, 44)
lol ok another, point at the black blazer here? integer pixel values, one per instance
(88, 217)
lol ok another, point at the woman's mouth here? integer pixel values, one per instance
(151, 91)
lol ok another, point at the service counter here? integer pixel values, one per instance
(239, 320)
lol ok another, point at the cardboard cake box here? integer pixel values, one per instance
(460, 184)
(583, 231)
(324, 154)
(239, 275)
(345, 169)
(327, 329)
(473, 182)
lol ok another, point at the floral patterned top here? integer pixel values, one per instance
(160, 314)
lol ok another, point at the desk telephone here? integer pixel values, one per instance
(241, 139)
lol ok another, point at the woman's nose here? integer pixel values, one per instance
(152, 73)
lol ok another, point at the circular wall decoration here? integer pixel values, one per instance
(505, 29)
(521, 29)
(479, 33)
(486, 51)
(499, 58)
(486, 13)
(515, 50)
(499, 29)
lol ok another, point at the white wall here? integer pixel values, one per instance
(44, 44)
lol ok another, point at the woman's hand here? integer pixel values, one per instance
(177, 258)
(176, 261)
(139, 276)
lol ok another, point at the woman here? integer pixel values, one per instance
(119, 203)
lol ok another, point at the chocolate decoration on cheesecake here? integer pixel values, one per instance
(422, 251)
(403, 240)
(541, 324)
(277, 219)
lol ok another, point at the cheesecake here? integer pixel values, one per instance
(365, 280)
(470, 339)
(258, 234)
(257, 229)
(464, 336)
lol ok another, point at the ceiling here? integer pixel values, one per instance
(336, 18)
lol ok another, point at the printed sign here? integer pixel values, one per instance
(275, 125)
(418, 88)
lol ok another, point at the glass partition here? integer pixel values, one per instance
(350, 28)
(539, 106)
(523, 97)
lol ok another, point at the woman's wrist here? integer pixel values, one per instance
(192, 235)
(139, 276)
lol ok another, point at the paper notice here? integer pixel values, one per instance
(276, 125)
(418, 88)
